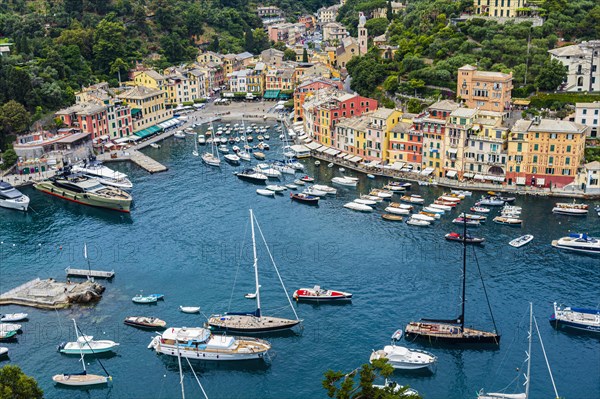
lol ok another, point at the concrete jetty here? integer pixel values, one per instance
(143, 161)
(52, 294)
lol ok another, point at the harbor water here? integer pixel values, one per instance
(188, 237)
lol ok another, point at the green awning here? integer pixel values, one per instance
(271, 94)
(284, 96)
(135, 111)
(143, 133)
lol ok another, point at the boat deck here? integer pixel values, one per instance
(445, 331)
(251, 323)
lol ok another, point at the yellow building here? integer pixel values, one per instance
(498, 8)
(149, 78)
(147, 107)
(210, 57)
(381, 123)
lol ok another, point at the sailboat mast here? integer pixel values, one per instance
(464, 274)
(255, 263)
(85, 255)
(529, 350)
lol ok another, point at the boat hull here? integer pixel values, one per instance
(90, 199)
(248, 324)
(449, 334)
(77, 380)
(19, 204)
(569, 325)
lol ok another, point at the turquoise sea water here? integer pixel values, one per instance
(188, 238)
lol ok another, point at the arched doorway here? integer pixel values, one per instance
(496, 170)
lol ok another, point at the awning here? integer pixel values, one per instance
(479, 177)
(452, 150)
(495, 178)
(342, 155)
(427, 171)
(135, 111)
(307, 140)
(271, 94)
(109, 145)
(451, 173)
(103, 137)
(167, 124)
(321, 148)
(374, 163)
(148, 131)
(228, 95)
(397, 165)
(520, 101)
(468, 175)
(521, 181)
(313, 146)
(331, 151)
(349, 156)
(355, 159)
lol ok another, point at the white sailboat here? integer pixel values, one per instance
(85, 344)
(210, 158)
(195, 152)
(243, 154)
(527, 375)
(255, 322)
(83, 378)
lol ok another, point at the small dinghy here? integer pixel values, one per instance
(416, 222)
(305, 198)
(365, 202)
(154, 145)
(382, 193)
(391, 217)
(370, 176)
(314, 191)
(508, 221)
(468, 239)
(266, 193)
(325, 189)
(330, 165)
(420, 216)
(190, 309)
(139, 298)
(469, 216)
(520, 241)
(276, 188)
(440, 206)
(299, 182)
(292, 186)
(259, 155)
(397, 211)
(9, 317)
(145, 322)
(434, 210)
(479, 209)
(344, 181)
(358, 207)
(317, 163)
(307, 179)
(3, 351)
(318, 294)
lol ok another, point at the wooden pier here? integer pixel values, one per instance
(89, 273)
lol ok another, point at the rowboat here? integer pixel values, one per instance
(397, 211)
(430, 214)
(358, 207)
(444, 202)
(144, 299)
(305, 198)
(190, 309)
(365, 202)
(435, 205)
(520, 241)
(508, 221)
(434, 210)
(391, 217)
(469, 216)
(145, 322)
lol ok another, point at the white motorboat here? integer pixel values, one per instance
(413, 199)
(579, 319)
(400, 357)
(508, 221)
(154, 145)
(104, 175)
(244, 156)
(365, 202)
(201, 139)
(252, 176)
(470, 216)
(292, 186)
(9, 327)
(223, 140)
(397, 388)
(200, 343)
(397, 211)
(268, 171)
(370, 176)
(344, 181)
(479, 209)
(570, 209)
(462, 192)
(276, 188)
(223, 149)
(372, 198)
(190, 309)
(299, 182)
(520, 241)
(381, 193)
(313, 191)
(440, 206)
(232, 159)
(416, 222)
(179, 134)
(434, 210)
(288, 170)
(318, 294)
(86, 345)
(266, 193)
(490, 201)
(355, 206)
(419, 216)
(578, 243)
(3, 351)
(11, 317)
(325, 188)
(449, 198)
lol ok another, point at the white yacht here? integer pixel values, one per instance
(578, 243)
(200, 344)
(403, 358)
(565, 208)
(12, 198)
(104, 175)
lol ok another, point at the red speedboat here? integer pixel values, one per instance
(317, 294)
(307, 179)
(468, 239)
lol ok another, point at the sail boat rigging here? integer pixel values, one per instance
(195, 152)
(452, 331)
(83, 378)
(255, 322)
(527, 375)
(210, 158)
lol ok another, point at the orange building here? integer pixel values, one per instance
(488, 91)
(307, 87)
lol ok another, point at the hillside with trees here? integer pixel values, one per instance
(431, 47)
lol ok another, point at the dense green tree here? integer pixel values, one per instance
(289, 55)
(109, 43)
(279, 46)
(389, 13)
(117, 66)
(552, 74)
(9, 158)
(248, 39)
(376, 26)
(304, 55)
(14, 384)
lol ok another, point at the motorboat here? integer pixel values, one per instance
(259, 155)
(3, 351)
(299, 182)
(307, 179)
(145, 322)
(434, 210)
(355, 206)
(468, 238)
(292, 186)
(201, 139)
(276, 188)
(223, 140)
(413, 199)
(305, 198)
(365, 202)
(283, 168)
(400, 357)
(381, 193)
(370, 176)
(232, 159)
(564, 208)
(343, 181)
(401, 206)
(155, 145)
(12, 317)
(318, 294)
(446, 203)
(85, 344)
(392, 386)
(179, 134)
(372, 198)
(431, 214)
(420, 216)
(470, 216)
(325, 188)
(235, 149)
(267, 137)
(104, 175)
(244, 156)
(266, 193)
(395, 189)
(520, 241)
(490, 201)
(479, 209)
(85, 190)
(8, 327)
(397, 211)
(464, 193)
(440, 206)
(509, 221)
(190, 309)
(392, 217)
(313, 191)
(268, 171)
(469, 222)
(578, 243)
(417, 222)
(210, 159)
(199, 343)
(252, 175)
(399, 184)
(449, 198)
(579, 319)
(144, 299)
(7, 334)
(223, 149)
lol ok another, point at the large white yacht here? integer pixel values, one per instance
(104, 175)
(12, 198)
(578, 243)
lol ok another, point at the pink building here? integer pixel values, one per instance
(88, 117)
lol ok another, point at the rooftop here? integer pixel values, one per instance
(464, 112)
(140, 92)
(383, 113)
(445, 105)
(568, 51)
(557, 125)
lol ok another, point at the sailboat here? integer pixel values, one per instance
(453, 331)
(254, 322)
(210, 158)
(195, 152)
(243, 154)
(83, 378)
(523, 395)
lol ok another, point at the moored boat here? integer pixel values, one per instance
(578, 243)
(574, 209)
(508, 221)
(325, 188)
(579, 319)
(318, 294)
(304, 198)
(365, 202)
(469, 216)
(12, 317)
(479, 209)
(355, 206)
(392, 217)
(252, 176)
(460, 238)
(12, 198)
(313, 191)
(190, 309)
(145, 322)
(416, 222)
(520, 241)
(139, 298)
(266, 193)
(490, 201)
(276, 188)
(400, 357)
(469, 222)
(343, 181)
(104, 175)
(397, 211)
